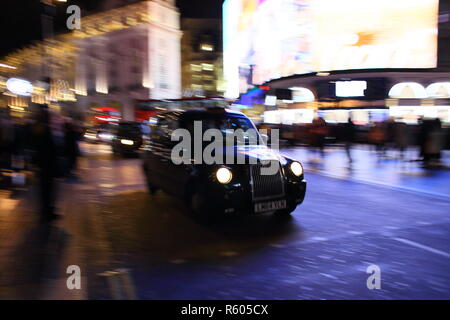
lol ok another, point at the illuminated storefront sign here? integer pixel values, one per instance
(271, 100)
(269, 39)
(350, 88)
(355, 89)
(411, 114)
(289, 116)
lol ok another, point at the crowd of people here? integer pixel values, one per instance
(429, 136)
(46, 144)
(386, 135)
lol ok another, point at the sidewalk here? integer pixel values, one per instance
(390, 171)
(33, 256)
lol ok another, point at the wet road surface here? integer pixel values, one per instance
(321, 252)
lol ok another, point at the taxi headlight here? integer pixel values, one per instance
(90, 136)
(296, 168)
(127, 142)
(224, 175)
(106, 136)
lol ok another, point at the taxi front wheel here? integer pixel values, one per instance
(199, 209)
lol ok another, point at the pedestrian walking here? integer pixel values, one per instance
(377, 137)
(71, 150)
(434, 142)
(348, 137)
(6, 141)
(317, 135)
(389, 131)
(401, 138)
(20, 144)
(46, 160)
(430, 140)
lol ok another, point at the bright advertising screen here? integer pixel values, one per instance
(269, 39)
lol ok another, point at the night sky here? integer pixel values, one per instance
(20, 19)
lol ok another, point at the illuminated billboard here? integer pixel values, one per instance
(269, 39)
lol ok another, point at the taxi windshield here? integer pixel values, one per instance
(238, 128)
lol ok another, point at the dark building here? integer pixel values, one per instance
(202, 57)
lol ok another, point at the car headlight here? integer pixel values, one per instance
(106, 136)
(127, 142)
(296, 168)
(90, 136)
(224, 175)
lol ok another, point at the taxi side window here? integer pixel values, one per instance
(163, 130)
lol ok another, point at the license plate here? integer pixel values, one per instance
(270, 206)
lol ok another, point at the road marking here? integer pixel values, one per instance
(421, 246)
(328, 276)
(318, 239)
(392, 228)
(356, 233)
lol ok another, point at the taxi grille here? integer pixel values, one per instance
(266, 186)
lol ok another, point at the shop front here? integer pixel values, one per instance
(365, 96)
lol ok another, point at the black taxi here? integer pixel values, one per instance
(238, 185)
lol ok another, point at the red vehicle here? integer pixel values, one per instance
(146, 109)
(105, 115)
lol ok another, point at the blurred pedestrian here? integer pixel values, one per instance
(401, 137)
(348, 137)
(57, 125)
(46, 160)
(317, 135)
(20, 144)
(6, 141)
(71, 150)
(377, 137)
(422, 136)
(432, 141)
(389, 129)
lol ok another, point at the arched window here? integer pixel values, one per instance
(301, 94)
(439, 90)
(408, 90)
